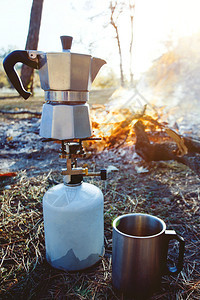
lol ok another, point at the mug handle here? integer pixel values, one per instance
(172, 235)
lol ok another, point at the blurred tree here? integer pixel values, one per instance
(114, 15)
(27, 73)
(117, 9)
(132, 11)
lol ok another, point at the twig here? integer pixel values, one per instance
(20, 112)
(4, 256)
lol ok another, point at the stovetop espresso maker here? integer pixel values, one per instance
(73, 210)
(66, 78)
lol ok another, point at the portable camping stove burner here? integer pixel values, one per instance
(71, 150)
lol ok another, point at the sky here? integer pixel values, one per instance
(155, 21)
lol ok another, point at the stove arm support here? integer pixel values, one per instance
(102, 173)
(83, 171)
(71, 152)
(28, 58)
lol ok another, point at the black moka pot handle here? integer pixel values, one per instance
(9, 67)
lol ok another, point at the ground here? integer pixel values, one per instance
(165, 189)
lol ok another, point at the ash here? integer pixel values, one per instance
(22, 147)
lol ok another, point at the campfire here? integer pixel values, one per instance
(137, 122)
(114, 122)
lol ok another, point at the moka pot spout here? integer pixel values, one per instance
(96, 65)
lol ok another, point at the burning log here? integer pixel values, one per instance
(167, 150)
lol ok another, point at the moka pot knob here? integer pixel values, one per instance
(66, 42)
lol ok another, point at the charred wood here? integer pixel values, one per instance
(192, 145)
(167, 150)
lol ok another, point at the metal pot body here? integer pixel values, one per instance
(65, 122)
(65, 71)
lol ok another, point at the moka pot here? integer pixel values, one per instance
(66, 78)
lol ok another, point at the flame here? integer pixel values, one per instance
(113, 122)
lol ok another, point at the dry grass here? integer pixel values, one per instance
(168, 191)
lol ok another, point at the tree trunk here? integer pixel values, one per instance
(27, 73)
(114, 24)
(120, 57)
(131, 8)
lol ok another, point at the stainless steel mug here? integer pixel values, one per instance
(139, 255)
